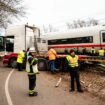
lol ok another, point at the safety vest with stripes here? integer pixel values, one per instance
(72, 61)
(93, 51)
(30, 68)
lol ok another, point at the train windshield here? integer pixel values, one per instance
(9, 41)
(1, 43)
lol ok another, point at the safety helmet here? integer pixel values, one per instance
(32, 49)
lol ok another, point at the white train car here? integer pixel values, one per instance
(87, 37)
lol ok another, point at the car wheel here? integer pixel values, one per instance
(13, 63)
(42, 64)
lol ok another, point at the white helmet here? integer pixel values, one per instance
(32, 49)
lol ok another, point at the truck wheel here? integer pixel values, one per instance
(13, 63)
(42, 64)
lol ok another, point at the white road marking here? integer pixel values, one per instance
(6, 89)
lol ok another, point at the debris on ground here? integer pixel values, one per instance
(91, 81)
(58, 82)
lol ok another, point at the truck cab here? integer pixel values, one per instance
(20, 38)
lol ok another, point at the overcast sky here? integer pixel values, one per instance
(41, 12)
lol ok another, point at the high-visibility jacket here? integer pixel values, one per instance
(93, 51)
(20, 57)
(101, 52)
(52, 54)
(72, 61)
(31, 66)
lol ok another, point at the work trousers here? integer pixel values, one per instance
(20, 66)
(74, 73)
(52, 65)
(32, 82)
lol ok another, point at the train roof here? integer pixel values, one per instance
(85, 31)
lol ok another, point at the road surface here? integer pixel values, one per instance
(48, 95)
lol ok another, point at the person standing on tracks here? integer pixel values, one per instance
(101, 52)
(32, 70)
(52, 57)
(73, 67)
(20, 60)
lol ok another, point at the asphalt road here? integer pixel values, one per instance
(48, 94)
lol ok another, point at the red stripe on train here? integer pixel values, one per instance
(72, 46)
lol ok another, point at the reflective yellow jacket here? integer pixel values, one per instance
(101, 52)
(20, 57)
(73, 61)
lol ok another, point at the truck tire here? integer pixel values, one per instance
(42, 64)
(13, 63)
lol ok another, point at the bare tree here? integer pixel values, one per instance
(10, 9)
(82, 23)
(69, 25)
(49, 28)
(94, 22)
(45, 29)
(75, 25)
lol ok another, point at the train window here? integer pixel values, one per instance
(51, 42)
(88, 39)
(103, 37)
(64, 40)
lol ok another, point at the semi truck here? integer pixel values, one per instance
(22, 37)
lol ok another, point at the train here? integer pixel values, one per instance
(79, 38)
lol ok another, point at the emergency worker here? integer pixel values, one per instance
(101, 52)
(73, 67)
(25, 58)
(20, 60)
(93, 51)
(32, 70)
(84, 51)
(52, 57)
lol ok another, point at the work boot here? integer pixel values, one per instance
(56, 70)
(31, 94)
(53, 72)
(35, 93)
(81, 91)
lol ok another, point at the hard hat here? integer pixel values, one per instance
(32, 49)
